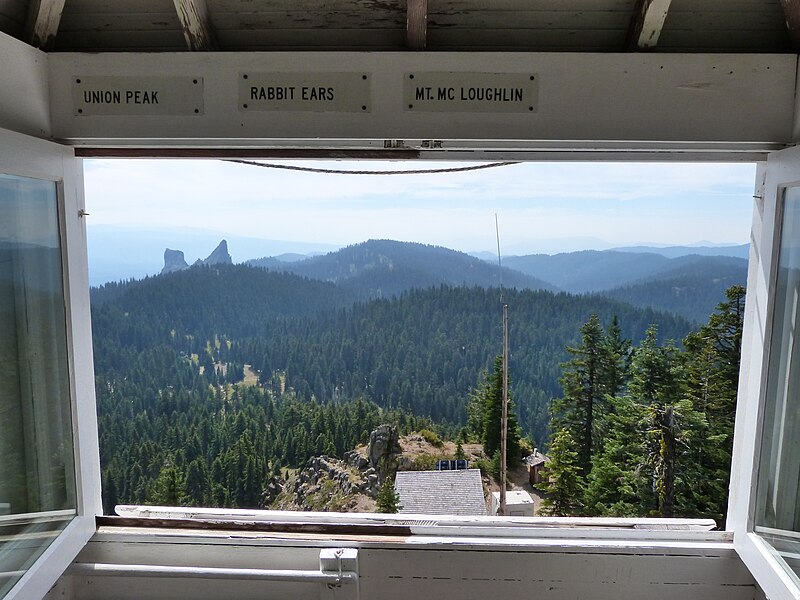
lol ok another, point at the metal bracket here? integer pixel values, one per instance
(343, 563)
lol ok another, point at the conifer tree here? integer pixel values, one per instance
(616, 359)
(491, 391)
(388, 500)
(712, 373)
(460, 454)
(197, 484)
(657, 385)
(169, 488)
(619, 484)
(577, 410)
(563, 487)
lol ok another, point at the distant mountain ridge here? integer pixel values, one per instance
(690, 285)
(692, 288)
(385, 268)
(598, 270)
(738, 251)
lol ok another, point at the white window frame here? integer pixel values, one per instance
(781, 170)
(24, 156)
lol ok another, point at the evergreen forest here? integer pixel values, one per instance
(647, 429)
(212, 379)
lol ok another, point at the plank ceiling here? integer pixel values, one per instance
(474, 25)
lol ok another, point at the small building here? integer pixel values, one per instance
(518, 504)
(441, 492)
(536, 463)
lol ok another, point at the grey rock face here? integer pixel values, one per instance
(353, 475)
(384, 447)
(219, 256)
(174, 261)
(355, 460)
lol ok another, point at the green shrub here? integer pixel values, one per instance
(431, 437)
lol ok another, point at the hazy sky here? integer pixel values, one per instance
(619, 203)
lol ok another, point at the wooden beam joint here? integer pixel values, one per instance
(41, 25)
(196, 23)
(416, 24)
(791, 10)
(646, 24)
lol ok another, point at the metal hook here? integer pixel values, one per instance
(338, 553)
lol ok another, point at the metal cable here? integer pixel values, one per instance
(346, 172)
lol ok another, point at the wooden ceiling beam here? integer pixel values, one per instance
(791, 9)
(646, 24)
(41, 25)
(196, 23)
(416, 24)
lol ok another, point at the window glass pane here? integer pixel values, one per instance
(37, 475)
(777, 510)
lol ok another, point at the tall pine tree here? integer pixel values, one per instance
(564, 488)
(490, 391)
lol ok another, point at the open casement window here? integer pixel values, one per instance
(765, 483)
(49, 469)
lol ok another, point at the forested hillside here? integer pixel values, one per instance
(688, 285)
(212, 377)
(385, 268)
(692, 288)
(589, 270)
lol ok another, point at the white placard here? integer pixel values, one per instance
(315, 92)
(448, 91)
(137, 96)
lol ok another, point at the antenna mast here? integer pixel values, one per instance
(504, 410)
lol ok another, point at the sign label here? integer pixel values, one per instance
(314, 92)
(470, 92)
(135, 96)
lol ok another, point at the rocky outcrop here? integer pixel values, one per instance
(219, 256)
(331, 484)
(325, 484)
(384, 449)
(273, 490)
(174, 261)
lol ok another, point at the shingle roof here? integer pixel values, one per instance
(537, 458)
(441, 492)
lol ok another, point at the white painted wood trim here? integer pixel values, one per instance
(647, 23)
(42, 23)
(791, 10)
(397, 568)
(647, 102)
(30, 157)
(782, 168)
(416, 24)
(666, 527)
(196, 22)
(24, 92)
(765, 566)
